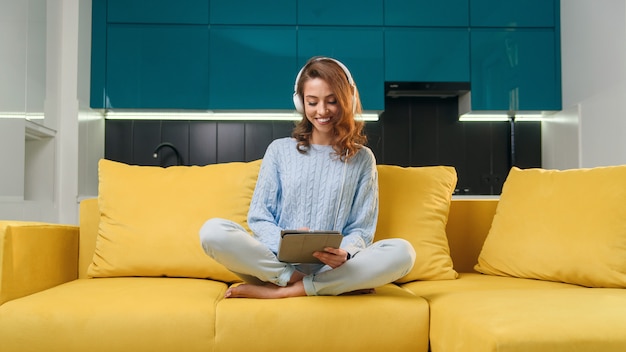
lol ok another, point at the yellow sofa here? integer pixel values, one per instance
(55, 294)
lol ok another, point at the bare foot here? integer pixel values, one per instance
(295, 277)
(266, 291)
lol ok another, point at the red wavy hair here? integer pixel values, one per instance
(348, 132)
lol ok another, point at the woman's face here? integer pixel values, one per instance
(321, 109)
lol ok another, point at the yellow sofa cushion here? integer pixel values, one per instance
(150, 217)
(115, 314)
(469, 282)
(567, 226)
(391, 319)
(521, 320)
(414, 205)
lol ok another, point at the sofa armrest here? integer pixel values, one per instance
(35, 256)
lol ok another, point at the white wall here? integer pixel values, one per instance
(591, 129)
(12, 159)
(23, 57)
(80, 131)
(14, 42)
(23, 28)
(90, 123)
(62, 170)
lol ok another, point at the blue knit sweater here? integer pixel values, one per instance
(295, 190)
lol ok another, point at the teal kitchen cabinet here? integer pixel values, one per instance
(157, 66)
(427, 55)
(97, 85)
(202, 54)
(278, 12)
(359, 48)
(427, 13)
(514, 13)
(157, 11)
(252, 67)
(515, 69)
(340, 13)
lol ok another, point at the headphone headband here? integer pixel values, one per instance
(297, 100)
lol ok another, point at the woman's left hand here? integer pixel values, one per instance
(333, 257)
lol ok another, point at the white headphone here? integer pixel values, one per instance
(298, 100)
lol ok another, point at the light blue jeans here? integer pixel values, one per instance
(232, 246)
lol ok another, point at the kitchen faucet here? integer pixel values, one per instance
(179, 158)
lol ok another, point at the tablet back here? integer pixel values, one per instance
(298, 246)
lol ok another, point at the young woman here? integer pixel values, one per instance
(322, 178)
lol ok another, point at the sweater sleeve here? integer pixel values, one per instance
(265, 202)
(363, 215)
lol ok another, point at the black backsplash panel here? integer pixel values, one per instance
(411, 132)
(426, 131)
(198, 142)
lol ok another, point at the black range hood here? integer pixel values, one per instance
(426, 89)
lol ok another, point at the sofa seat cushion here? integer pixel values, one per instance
(114, 314)
(468, 282)
(542, 319)
(390, 319)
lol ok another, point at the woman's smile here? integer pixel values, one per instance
(321, 109)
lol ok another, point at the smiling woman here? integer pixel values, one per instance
(322, 179)
(326, 95)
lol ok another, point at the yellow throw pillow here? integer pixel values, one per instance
(567, 226)
(414, 205)
(150, 217)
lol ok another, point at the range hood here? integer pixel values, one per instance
(460, 91)
(426, 89)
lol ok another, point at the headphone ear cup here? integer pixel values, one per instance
(297, 102)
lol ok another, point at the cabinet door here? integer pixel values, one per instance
(340, 13)
(157, 66)
(427, 55)
(253, 12)
(515, 70)
(158, 11)
(252, 67)
(360, 49)
(513, 13)
(97, 92)
(440, 13)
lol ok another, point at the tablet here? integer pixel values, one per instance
(298, 246)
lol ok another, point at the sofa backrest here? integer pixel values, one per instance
(468, 224)
(89, 223)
